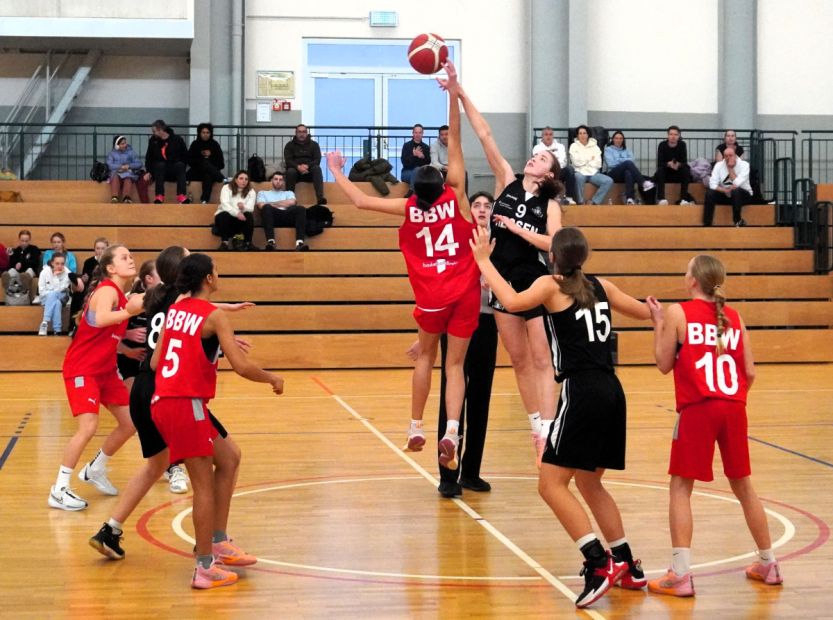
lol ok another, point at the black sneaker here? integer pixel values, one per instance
(301, 247)
(599, 579)
(270, 246)
(187, 201)
(740, 222)
(475, 484)
(106, 542)
(322, 200)
(449, 489)
(250, 247)
(224, 246)
(157, 202)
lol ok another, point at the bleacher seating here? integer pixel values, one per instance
(347, 303)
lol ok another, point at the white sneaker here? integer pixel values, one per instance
(42, 329)
(630, 201)
(177, 480)
(65, 499)
(98, 479)
(686, 202)
(35, 300)
(647, 185)
(663, 202)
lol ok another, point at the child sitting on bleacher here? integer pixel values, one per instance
(54, 286)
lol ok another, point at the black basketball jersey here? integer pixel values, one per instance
(581, 338)
(155, 317)
(529, 212)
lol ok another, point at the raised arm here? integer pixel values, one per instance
(393, 206)
(624, 303)
(456, 176)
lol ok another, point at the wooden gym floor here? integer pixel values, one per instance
(347, 526)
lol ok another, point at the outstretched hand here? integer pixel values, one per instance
(507, 223)
(335, 161)
(481, 245)
(450, 82)
(237, 307)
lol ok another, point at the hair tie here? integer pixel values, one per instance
(715, 287)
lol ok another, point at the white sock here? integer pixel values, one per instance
(116, 525)
(416, 423)
(546, 425)
(681, 560)
(100, 461)
(452, 427)
(587, 538)
(766, 555)
(535, 421)
(62, 481)
(617, 543)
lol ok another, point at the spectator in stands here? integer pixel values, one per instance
(586, 157)
(302, 157)
(672, 165)
(278, 207)
(166, 160)
(24, 263)
(729, 184)
(234, 218)
(622, 169)
(568, 174)
(415, 153)
(730, 140)
(54, 287)
(206, 158)
(99, 245)
(439, 151)
(125, 168)
(59, 244)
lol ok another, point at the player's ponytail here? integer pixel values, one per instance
(192, 273)
(549, 187)
(710, 274)
(428, 186)
(145, 270)
(569, 251)
(167, 268)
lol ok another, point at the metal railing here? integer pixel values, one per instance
(76, 146)
(817, 155)
(823, 249)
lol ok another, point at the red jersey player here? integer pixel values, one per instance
(186, 376)
(706, 344)
(434, 241)
(91, 376)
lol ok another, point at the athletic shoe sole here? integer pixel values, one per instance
(105, 550)
(415, 443)
(54, 503)
(447, 453)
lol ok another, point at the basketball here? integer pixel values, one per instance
(427, 53)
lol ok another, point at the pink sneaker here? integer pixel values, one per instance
(447, 449)
(212, 577)
(673, 584)
(770, 574)
(416, 439)
(230, 554)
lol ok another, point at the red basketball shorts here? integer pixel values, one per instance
(86, 394)
(185, 425)
(698, 428)
(458, 319)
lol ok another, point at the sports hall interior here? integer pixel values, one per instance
(344, 523)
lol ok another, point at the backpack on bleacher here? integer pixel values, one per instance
(256, 169)
(319, 217)
(16, 293)
(99, 172)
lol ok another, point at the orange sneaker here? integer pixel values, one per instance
(673, 584)
(229, 554)
(212, 577)
(770, 574)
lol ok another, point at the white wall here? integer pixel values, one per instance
(652, 56)
(795, 49)
(156, 9)
(495, 78)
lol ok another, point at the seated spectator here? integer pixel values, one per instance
(729, 184)
(24, 263)
(206, 158)
(54, 286)
(59, 244)
(586, 158)
(125, 170)
(622, 169)
(77, 302)
(568, 174)
(302, 157)
(278, 207)
(165, 160)
(234, 218)
(439, 151)
(672, 166)
(730, 139)
(415, 153)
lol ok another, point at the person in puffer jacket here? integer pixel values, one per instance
(586, 158)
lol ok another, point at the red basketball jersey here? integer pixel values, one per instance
(93, 349)
(184, 369)
(700, 372)
(435, 244)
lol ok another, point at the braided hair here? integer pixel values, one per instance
(710, 274)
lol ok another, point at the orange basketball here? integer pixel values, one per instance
(427, 53)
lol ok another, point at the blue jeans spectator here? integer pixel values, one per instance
(601, 181)
(407, 175)
(627, 173)
(53, 305)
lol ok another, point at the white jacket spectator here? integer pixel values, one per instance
(228, 203)
(720, 176)
(50, 281)
(586, 158)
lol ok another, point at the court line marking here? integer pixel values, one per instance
(520, 553)
(13, 440)
(789, 451)
(176, 524)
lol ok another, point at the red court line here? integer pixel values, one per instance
(322, 385)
